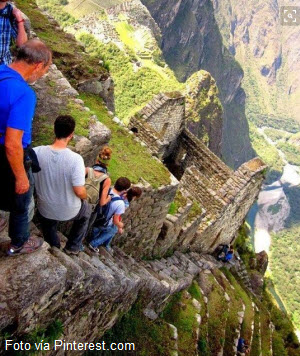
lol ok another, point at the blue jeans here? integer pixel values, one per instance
(103, 235)
(18, 229)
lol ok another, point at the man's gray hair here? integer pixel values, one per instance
(33, 52)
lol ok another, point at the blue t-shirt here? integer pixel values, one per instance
(17, 104)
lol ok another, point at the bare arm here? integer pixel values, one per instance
(15, 155)
(105, 198)
(117, 221)
(22, 36)
(80, 192)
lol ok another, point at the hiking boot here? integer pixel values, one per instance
(71, 252)
(94, 249)
(3, 224)
(32, 245)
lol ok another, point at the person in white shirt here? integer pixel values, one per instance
(60, 188)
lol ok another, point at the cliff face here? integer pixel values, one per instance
(268, 53)
(191, 40)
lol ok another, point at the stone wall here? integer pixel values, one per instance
(147, 135)
(165, 115)
(224, 196)
(87, 293)
(198, 155)
(144, 220)
(240, 196)
(168, 237)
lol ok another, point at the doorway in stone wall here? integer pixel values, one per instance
(176, 162)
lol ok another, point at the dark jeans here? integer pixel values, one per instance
(77, 233)
(16, 204)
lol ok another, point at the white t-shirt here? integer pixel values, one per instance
(61, 170)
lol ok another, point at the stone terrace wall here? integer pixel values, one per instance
(144, 220)
(240, 196)
(165, 114)
(198, 155)
(147, 135)
(168, 237)
(199, 186)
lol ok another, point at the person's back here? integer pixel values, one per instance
(60, 171)
(60, 188)
(103, 233)
(14, 90)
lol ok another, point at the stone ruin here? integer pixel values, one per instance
(224, 196)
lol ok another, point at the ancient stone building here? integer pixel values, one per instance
(224, 196)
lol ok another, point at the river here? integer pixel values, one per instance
(272, 208)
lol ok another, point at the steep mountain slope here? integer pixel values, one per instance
(126, 38)
(268, 52)
(191, 40)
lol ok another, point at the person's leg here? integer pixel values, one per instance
(49, 230)
(79, 228)
(113, 232)
(18, 219)
(90, 229)
(104, 237)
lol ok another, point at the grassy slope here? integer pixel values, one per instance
(132, 89)
(217, 309)
(68, 54)
(129, 157)
(235, 306)
(181, 313)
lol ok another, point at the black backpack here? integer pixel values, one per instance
(103, 218)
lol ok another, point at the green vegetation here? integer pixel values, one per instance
(181, 313)
(274, 209)
(255, 346)
(48, 334)
(218, 314)
(132, 89)
(292, 152)
(67, 53)
(129, 158)
(276, 135)
(268, 154)
(285, 341)
(195, 292)
(235, 306)
(195, 211)
(243, 246)
(150, 337)
(282, 123)
(246, 330)
(56, 8)
(179, 202)
(285, 268)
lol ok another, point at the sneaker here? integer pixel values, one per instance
(32, 245)
(109, 249)
(3, 224)
(71, 252)
(95, 249)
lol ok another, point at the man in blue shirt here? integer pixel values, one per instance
(17, 106)
(11, 26)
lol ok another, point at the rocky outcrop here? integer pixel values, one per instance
(103, 87)
(204, 111)
(191, 40)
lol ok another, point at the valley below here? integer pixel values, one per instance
(271, 218)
